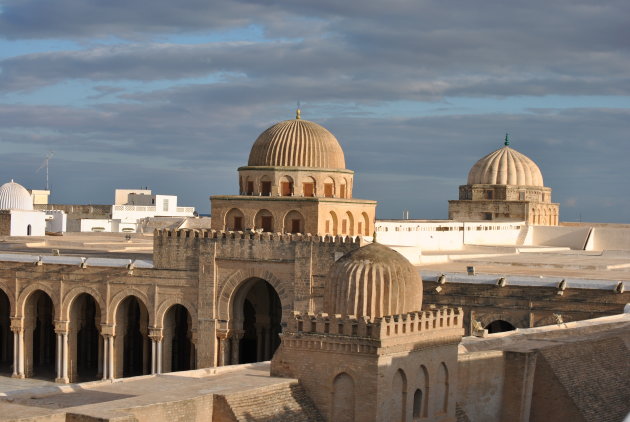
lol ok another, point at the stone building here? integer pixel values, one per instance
(295, 181)
(380, 357)
(505, 185)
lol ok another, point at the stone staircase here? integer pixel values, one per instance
(280, 402)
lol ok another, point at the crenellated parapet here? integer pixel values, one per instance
(226, 236)
(374, 335)
(182, 248)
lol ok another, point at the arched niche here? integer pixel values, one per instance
(309, 187)
(499, 326)
(264, 220)
(399, 396)
(286, 186)
(294, 222)
(343, 398)
(234, 220)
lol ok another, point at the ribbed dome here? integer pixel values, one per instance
(15, 196)
(373, 281)
(505, 166)
(297, 143)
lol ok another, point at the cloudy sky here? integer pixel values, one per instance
(172, 94)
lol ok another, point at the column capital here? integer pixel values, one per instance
(108, 330)
(224, 334)
(17, 324)
(61, 327)
(156, 334)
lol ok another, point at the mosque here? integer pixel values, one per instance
(297, 273)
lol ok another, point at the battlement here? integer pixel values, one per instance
(395, 326)
(262, 237)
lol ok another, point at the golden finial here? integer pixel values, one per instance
(298, 112)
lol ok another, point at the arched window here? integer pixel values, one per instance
(342, 409)
(28, 230)
(421, 397)
(329, 187)
(264, 221)
(343, 189)
(234, 220)
(286, 186)
(350, 219)
(332, 224)
(366, 224)
(265, 186)
(417, 404)
(293, 222)
(308, 187)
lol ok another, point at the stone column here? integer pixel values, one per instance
(17, 328)
(224, 347)
(236, 340)
(61, 329)
(107, 332)
(156, 336)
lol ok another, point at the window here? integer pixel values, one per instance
(295, 226)
(267, 223)
(265, 188)
(250, 187)
(487, 216)
(165, 205)
(286, 188)
(309, 189)
(489, 194)
(328, 190)
(521, 196)
(238, 223)
(342, 191)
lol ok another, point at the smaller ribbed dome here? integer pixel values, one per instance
(297, 143)
(15, 196)
(373, 281)
(505, 166)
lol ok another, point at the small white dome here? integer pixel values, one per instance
(505, 166)
(15, 196)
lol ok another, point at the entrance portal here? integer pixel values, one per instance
(178, 348)
(6, 336)
(258, 315)
(132, 341)
(39, 336)
(84, 339)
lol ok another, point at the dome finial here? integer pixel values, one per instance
(298, 112)
(507, 140)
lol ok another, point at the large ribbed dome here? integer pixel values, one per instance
(505, 166)
(297, 143)
(373, 281)
(15, 196)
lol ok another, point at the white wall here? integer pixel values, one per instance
(56, 221)
(20, 220)
(611, 239)
(447, 235)
(572, 237)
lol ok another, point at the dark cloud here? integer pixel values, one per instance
(348, 61)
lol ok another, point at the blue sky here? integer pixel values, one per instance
(173, 96)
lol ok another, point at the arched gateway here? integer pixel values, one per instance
(255, 322)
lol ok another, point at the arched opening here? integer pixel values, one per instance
(249, 186)
(265, 186)
(132, 341)
(39, 336)
(28, 230)
(399, 396)
(84, 339)
(366, 224)
(264, 220)
(286, 186)
(499, 326)
(342, 409)
(417, 404)
(178, 352)
(350, 219)
(308, 187)
(6, 336)
(329, 187)
(423, 403)
(342, 189)
(257, 315)
(294, 222)
(234, 220)
(443, 388)
(332, 224)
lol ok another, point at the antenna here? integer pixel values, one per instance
(45, 164)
